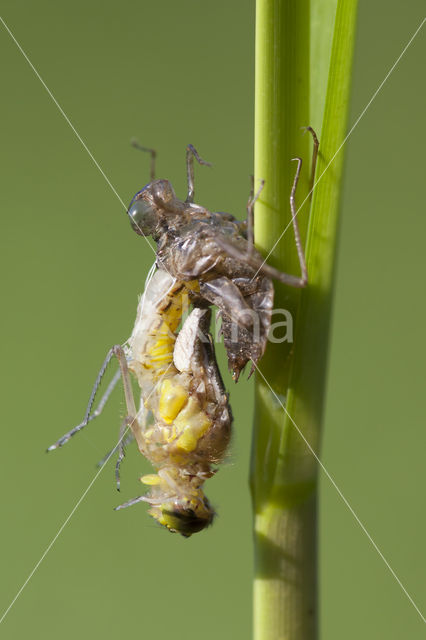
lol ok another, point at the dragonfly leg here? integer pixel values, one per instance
(250, 214)
(130, 421)
(130, 503)
(265, 268)
(127, 440)
(97, 412)
(300, 252)
(227, 297)
(192, 153)
(152, 152)
(260, 265)
(120, 448)
(125, 425)
(117, 351)
(314, 158)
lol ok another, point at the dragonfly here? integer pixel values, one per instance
(183, 422)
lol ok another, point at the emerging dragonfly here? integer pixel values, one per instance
(183, 424)
(181, 387)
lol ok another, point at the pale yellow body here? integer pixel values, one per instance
(189, 429)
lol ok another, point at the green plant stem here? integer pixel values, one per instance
(284, 470)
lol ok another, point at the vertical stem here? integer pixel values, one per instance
(284, 589)
(281, 111)
(284, 470)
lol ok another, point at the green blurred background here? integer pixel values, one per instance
(172, 73)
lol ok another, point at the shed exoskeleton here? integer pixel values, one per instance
(216, 250)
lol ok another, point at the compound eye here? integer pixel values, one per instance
(186, 521)
(142, 217)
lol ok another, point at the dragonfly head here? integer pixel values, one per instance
(149, 205)
(184, 516)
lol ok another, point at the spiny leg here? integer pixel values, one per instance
(127, 385)
(251, 194)
(257, 263)
(271, 271)
(127, 440)
(314, 158)
(300, 252)
(88, 417)
(102, 402)
(250, 217)
(252, 200)
(126, 424)
(120, 447)
(192, 153)
(130, 421)
(227, 297)
(250, 214)
(130, 503)
(153, 153)
(119, 353)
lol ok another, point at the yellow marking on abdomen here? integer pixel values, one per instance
(191, 423)
(172, 398)
(159, 355)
